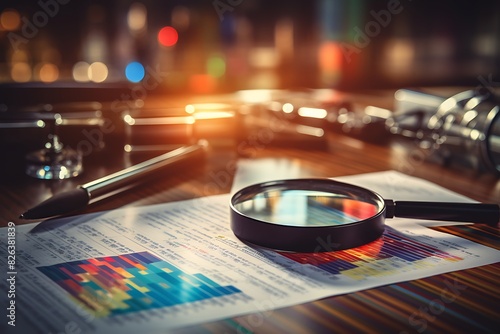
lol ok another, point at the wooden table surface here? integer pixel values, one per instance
(394, 308)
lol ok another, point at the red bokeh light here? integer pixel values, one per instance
(168, 36)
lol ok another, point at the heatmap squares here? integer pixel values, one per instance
(115, 285)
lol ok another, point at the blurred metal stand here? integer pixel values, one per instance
(463, 128)
(55, 160)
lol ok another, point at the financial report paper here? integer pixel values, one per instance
(167, 266)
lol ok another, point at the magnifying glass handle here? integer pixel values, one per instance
(459, 212)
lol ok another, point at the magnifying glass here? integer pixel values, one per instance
(302, 215)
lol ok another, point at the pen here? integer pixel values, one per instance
(80, 197)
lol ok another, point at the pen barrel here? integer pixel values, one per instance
(130, 175)
(459, 212)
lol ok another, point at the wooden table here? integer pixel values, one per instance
(397, 308)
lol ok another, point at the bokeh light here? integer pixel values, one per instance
(134, 71)
(216, 66)
(21, 72)
(189, 109)
(330, 57)
(400, 54)
(81, 72)
(312, 112)
(137, 17)
(287, 108)
(48, 72)
(168, 36)
(98, 72)
(10, 20)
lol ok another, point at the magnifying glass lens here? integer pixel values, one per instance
(302, 214)
(306, 208)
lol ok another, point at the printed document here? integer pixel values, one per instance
(154, 268)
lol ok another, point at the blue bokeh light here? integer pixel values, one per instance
(134, 71)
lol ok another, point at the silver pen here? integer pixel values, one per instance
(80, 197)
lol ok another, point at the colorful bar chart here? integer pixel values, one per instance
(393, 252)
(114, 285)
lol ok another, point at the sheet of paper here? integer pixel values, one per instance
(154, 268)
(250, 171)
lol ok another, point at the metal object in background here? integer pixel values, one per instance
(163, 129)
(464, 127)
(157, 129)
(79, 123)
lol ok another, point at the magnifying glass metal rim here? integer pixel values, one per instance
(307, 238)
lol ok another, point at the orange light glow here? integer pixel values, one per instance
(330, 57)
(10, 20)
(48, 72)
(202, 83)
(21, 72)
(168, 36)
(252, 96)
(200, 107)
(213, 114)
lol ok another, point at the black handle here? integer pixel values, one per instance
(459, 212)
(59, 204)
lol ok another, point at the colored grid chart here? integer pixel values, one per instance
(114, 285)
(390, 254)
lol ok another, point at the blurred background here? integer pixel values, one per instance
(208, 46)
(150, 75)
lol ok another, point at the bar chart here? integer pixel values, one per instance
(116, 285)
(393, 252)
